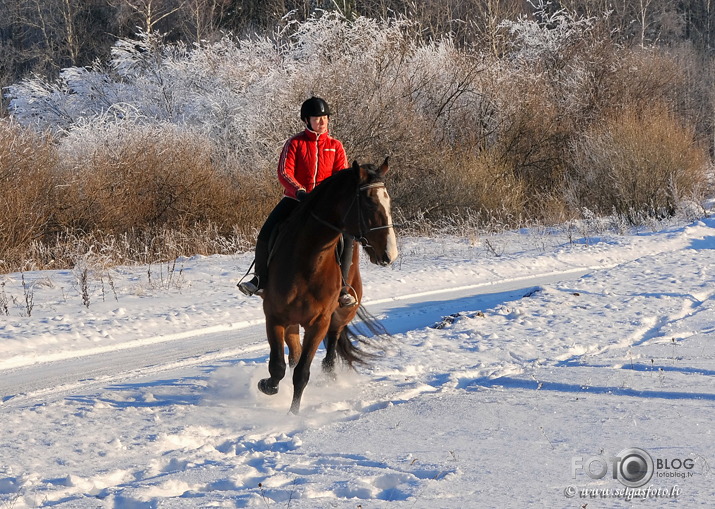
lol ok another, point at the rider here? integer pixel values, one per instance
(307, 159)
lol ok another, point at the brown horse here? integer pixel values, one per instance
(304, 278)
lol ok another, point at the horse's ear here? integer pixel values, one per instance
(383, 168)
(360, 172)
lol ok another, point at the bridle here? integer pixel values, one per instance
(361, 237)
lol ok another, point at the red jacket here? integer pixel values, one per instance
(308, 159)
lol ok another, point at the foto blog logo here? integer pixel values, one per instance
(632, 467)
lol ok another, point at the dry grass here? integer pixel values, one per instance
(133, 247)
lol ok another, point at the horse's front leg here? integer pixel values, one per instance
(311, 340)
(277, 362)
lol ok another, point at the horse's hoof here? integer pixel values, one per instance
(329, 370)
(266, 387)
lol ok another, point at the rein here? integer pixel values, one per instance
(361, 237)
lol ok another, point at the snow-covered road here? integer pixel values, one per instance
(58, 374)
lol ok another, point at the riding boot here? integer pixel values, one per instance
(347, 299)
(256, 285)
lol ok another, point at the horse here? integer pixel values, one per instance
(304, 277)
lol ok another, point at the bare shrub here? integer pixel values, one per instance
(637, 161)
(574, 87)
(691, 91)
(134, 178)
(500, 152)
(644, 78)
(532, 132)
(27, 185)
(485, 183)
(129, 192)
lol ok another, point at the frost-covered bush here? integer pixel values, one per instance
(27, 188)
(129, 177)
(547, 37)
(466, 131)
(637, 162)
(391, 93)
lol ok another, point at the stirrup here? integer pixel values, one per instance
(346, 299)
(250, 288)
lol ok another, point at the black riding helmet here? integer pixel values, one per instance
(314, 107)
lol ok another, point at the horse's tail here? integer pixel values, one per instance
(352, 336)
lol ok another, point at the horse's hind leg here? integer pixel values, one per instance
(341, 317)
(277, 362)
(292, 338)
(331, 343)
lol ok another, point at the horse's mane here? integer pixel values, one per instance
(344, 179)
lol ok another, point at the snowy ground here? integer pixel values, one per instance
(519, 364)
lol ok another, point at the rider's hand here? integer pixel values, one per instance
(301, 195)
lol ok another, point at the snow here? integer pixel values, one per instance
(515, 359)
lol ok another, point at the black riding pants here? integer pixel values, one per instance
(280, 213)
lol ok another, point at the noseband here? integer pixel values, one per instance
(361, 221)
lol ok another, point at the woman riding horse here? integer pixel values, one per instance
(304, 279)
(307, 159)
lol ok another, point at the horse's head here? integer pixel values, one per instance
(372, 217)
